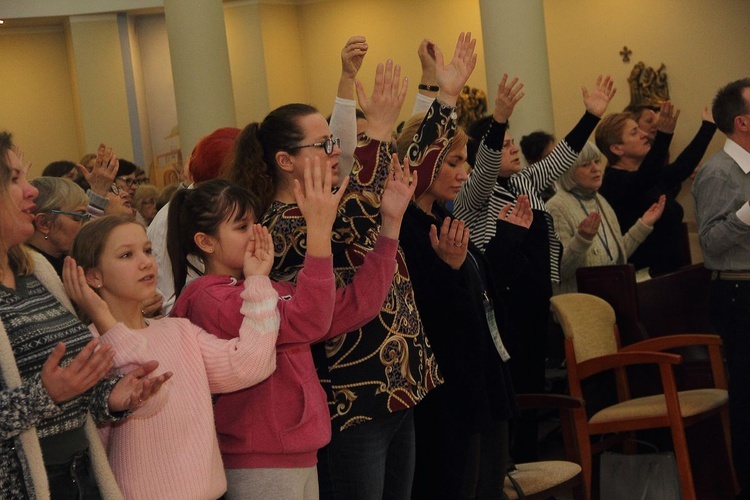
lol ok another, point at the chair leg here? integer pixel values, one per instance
(683, 461)
(724, 414)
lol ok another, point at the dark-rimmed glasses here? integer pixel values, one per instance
(127, 181)
(79, 216)
(327, 145)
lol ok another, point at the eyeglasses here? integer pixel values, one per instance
(79, 216)
(127, 182)
(327, 145)
(115, 189)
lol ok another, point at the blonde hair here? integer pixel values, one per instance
(18, 257)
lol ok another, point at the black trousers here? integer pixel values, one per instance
(729, 306)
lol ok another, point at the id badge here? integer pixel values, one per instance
(489, 311)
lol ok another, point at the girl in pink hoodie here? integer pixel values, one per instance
(269, 434)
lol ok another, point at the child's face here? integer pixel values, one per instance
(127, 268)
(230, 243)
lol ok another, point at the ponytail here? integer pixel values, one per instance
(202, 210)
(254, 164)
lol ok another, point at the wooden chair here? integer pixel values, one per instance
(592, 346)
(541, 480)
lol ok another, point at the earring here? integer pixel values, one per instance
(46, 236)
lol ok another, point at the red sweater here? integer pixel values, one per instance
(283, 421)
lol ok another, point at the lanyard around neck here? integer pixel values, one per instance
(602, 234)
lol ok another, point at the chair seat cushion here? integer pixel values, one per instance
(535, 477)
(691, 403)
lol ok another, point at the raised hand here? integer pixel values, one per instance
(398, 193)
(135, 388)
(384, 105)
(426, 53)
(319, 206)
(259, 253)
(597, 101)
(104, 172)
(507, 97)
(590, 226)
(87, 368)
(453, 243)
(707, 115)
(452, 77)
(654, 212)
(520, 214)
(352, 56)
(667, 118)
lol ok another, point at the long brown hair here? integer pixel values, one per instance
(254, 163)
(18, 257)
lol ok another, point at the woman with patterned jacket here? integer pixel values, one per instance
(53, 376)
(374, 376)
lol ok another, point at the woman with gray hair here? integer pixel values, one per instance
(586, 223)
(61, 210)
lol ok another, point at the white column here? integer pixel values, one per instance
(200, 67)
(515, 43)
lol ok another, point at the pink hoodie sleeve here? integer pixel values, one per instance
(353, 305)
(250, 358)
(360, 301)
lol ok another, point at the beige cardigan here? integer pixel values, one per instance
(580, 252)
(29, 440)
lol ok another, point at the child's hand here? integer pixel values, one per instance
(399, 191)
(79, 290)
(259, 253)
(319, 206)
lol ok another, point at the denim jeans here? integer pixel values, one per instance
(74, 480)
(370, 461)
(729, 307)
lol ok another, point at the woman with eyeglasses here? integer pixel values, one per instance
(60, 211)
(374, 375)
(54, 377)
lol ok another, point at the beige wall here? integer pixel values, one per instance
(36, 96)
(97, 59)
(285, 50)
(247, 61)
(393, 28)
